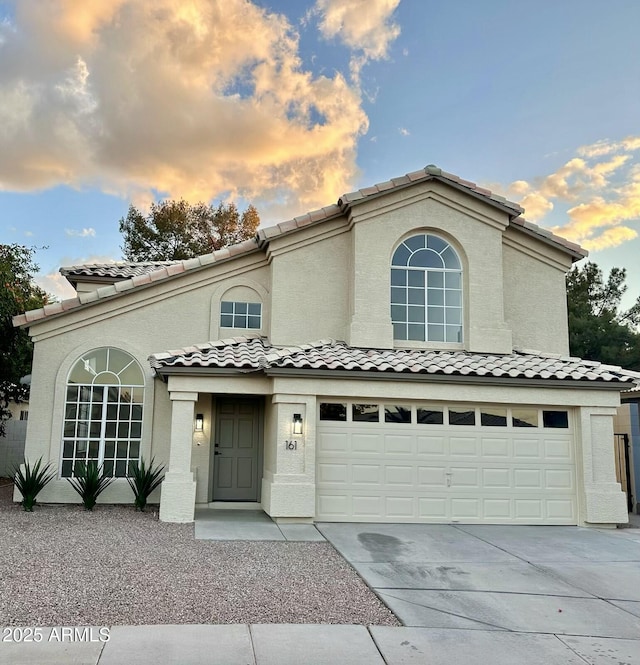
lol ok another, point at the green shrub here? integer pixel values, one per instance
(89, 482)
(143, 480)
(31, 481)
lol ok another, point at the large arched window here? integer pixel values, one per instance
(426, 290)
(103, 412)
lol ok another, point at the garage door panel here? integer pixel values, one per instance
(527, 478)
(558, 479)
(432, 508)
(332, 473)
(404, 475)
(400, 445)
(496, 447)
(497, 509)
(399, 472)
(527, 448)
(467, 508)
(334, 442)
(496, 478)
(528, 509)
(365, 506)
(371, 474)
(560, 509)
(467, 446)
(334, 505)
(464, 477)
(557, 449)
(432, 476)
(371, 444)
(400, 507)
(431, 445)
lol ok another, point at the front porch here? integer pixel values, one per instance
(238, 446)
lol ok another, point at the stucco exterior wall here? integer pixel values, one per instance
(535, 300)
(475, 231)
(310, 289)
(163, 317)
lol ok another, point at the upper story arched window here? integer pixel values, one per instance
(103, 412)
(241, 307)
(426, 290)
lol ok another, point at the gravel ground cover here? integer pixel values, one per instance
(62, 565)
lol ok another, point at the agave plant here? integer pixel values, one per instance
(32, 480)
(89, 482)
(143, 480)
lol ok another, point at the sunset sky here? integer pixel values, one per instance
(288, 104)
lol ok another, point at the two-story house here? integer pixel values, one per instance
(401, 356)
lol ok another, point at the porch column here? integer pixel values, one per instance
(288, 485)
(604, 501)
(178, 494)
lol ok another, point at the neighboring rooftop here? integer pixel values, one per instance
(255, 353)
(110, 271)
(133, 275)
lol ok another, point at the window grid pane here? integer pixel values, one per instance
(103, 423)
(240, 314)
(426, 302)
(115, 431)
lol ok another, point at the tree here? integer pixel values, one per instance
(598, 328)
(175, 230)
(18, 294)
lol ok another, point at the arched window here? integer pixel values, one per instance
(426, 290)
(103, 412)
(241, 307)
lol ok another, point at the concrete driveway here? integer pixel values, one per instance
(556, 594)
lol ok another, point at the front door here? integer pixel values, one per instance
(236, 463)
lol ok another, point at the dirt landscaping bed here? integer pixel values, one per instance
(62, 565)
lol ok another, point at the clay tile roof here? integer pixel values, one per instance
(131, 276)
(255, 353)
(429, 172)
(113, 270)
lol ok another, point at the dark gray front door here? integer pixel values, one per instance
(236, 472)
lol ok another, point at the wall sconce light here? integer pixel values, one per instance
(297, 423)
(199, 423)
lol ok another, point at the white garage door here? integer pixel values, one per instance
(381, 462)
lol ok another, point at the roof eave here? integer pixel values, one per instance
(576, 252)
(364, 375)
(503, 207)
(24, 321)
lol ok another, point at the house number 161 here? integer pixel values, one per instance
(291, 445)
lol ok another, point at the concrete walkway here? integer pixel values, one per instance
(213, 524)
(274, 644)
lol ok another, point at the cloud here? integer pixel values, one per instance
(600, 189)
(190, 100)
(55, 285)
(611, 238)
(364, 26)
(84, 233)
(606, 147)
(404, 131)
(536, 205)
